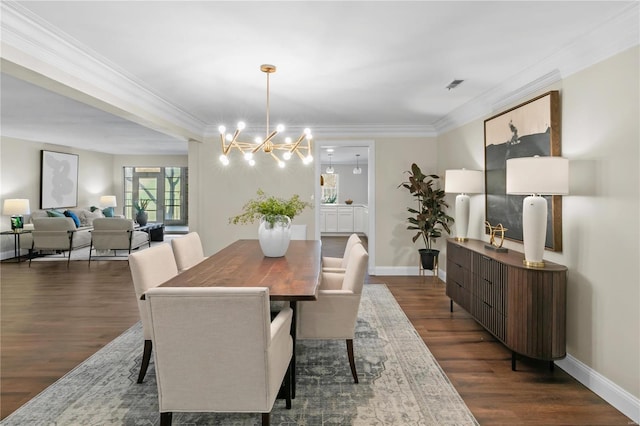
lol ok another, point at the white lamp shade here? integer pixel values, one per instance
(538, 175)
(108, 201)
(16, 206)
(463, 181)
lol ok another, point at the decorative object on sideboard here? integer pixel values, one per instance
(430, 219)
(493, 232)
(357, 170)
(266, 144)
(108, 202)
(16, 208)
(463, 182)
(142, 216)
(275, 216)
(536, 176)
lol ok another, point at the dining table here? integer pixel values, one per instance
(291, 278)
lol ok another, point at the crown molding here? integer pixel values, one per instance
(619, 33)
(33, 44)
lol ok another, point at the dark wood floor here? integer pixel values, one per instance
(53, 318)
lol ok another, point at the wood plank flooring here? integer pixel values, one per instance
(53, 318)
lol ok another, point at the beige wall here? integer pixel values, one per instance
(601, 138)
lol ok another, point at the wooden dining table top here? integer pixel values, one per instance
(293, 277)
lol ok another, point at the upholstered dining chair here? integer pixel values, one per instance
(187, 250)
(334, 314)
(217, 350)
(338, 264)
(150, 268)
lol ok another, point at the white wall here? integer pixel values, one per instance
(601, 138)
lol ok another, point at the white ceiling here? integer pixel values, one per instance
(346, 69)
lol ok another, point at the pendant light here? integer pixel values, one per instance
(330, 168)
(357, 170)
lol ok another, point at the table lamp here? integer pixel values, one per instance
(16, 207)
(534, 177)
(463, 182)
(108, 201)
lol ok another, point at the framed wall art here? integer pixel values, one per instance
(529, 129)
(58, 180)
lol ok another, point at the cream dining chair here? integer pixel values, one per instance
(334, 314)
(187, 251)
(217, 350)
(150, 268)
(338, 264)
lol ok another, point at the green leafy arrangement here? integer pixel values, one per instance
(141, 205)
(272, 208)
(430, 219)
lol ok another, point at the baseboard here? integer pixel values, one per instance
(619, 398)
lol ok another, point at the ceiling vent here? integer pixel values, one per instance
(454, 84)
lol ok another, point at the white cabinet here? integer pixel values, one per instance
(329, 219)
(365, 213)
(345, 219)
(358, 219)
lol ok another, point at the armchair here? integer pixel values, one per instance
(334, 314)
(216, 350)
(57, 233)
(111, 233)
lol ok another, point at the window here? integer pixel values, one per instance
(329, 188)
(164, 187)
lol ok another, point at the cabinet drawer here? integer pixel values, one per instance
(489, 269)
(459, 255)
(459, 295)
(492, 293)
(458, 274)
(489, 317)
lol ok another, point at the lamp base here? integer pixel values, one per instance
(531, 264)
(17, 223)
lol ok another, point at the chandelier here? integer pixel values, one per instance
(301, 147)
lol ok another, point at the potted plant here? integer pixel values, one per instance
(141, 212)
(430, 218)
(275, 215)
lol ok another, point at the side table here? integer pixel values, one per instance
(16, 240)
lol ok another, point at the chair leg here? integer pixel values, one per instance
(146, 357)
(352, 362)
(266, 419)
(165, 418)
(287, 386)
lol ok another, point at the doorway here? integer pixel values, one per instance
(369, 146)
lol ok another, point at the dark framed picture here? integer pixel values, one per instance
(58, 180)
(529, 129)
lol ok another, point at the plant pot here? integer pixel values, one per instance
(274, 239)
(428, 258)
(141, 218)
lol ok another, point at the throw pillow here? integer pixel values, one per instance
(93, 208)
(72, 215)
(108, 212)
(54, 213)
(90, 216)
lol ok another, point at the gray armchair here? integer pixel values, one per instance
(112, 234)
(217, 350)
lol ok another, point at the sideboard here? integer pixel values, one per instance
(523, 307)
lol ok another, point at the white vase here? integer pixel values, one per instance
(274, 240)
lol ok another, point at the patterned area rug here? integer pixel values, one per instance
(400, 383)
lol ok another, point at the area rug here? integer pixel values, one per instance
(83, 253)
(400, 382)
